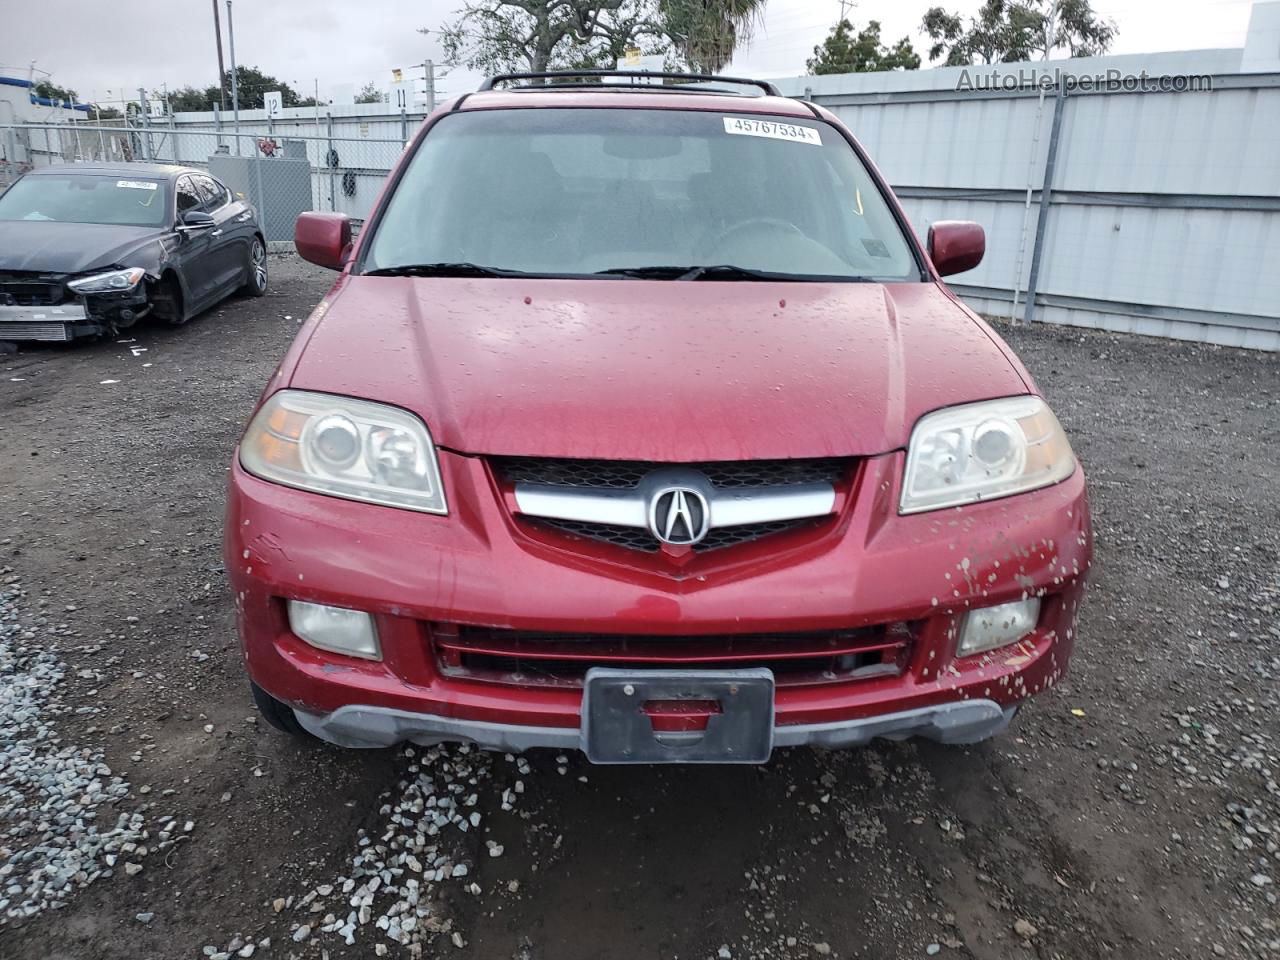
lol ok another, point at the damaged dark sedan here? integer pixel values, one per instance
(89, 250)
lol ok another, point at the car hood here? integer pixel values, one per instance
(653, 370)
(50, 246)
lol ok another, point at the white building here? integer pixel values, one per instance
(19, 104)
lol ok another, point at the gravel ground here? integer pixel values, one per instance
(1132, 811)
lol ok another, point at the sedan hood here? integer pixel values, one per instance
(653, 370)
(50, 246)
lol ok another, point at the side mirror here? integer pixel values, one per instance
(323, 238)
(956, 246)
(198, 220)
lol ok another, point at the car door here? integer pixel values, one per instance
(196, 255)
(230, 236)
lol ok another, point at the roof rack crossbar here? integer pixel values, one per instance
(768, 88)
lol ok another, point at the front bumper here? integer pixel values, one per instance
(53, 324)
(364, 726)
(84, 315)
(478, 567)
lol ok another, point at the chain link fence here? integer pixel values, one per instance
(282, 173)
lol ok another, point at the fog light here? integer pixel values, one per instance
(335, 628)
(991, 627)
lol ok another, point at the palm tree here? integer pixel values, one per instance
(706, 32)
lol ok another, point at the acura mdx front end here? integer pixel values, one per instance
(639, 422)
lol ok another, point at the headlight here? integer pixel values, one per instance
(114, 281)
(981, 451)
(345, 448)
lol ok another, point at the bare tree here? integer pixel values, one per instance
(503, 36)
(369, 93)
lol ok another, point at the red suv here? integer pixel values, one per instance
(639, 422)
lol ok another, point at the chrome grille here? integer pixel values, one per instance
(549, 492)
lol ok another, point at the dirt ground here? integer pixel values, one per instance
(1131, 812)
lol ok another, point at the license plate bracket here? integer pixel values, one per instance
(620, 722)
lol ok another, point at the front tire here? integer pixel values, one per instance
(279, 715)
(167, 302)
(256, 283)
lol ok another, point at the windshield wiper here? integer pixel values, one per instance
(727, 271)
(461, 269)
(722, 271)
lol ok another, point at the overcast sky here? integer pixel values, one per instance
(96, 46)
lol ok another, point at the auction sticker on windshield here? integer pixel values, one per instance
(137, 184)
(772, 129)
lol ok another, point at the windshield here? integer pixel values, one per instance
(86, 198)
(607, 191)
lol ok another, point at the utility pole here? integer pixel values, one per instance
(173, 126)
(102, 143)
(235, 83)
(144, 111)
(222, 73)
(431, 85)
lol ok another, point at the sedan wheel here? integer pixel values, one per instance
(256, 285)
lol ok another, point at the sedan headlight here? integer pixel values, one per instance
(981, 451)
(113, 281)
(345, 448)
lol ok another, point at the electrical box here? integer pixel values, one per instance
(278, 187)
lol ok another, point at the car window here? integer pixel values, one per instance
(204, 188)
(215, 196)
(85, 198)
(188, 197)
(558, 191)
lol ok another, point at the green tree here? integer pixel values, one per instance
(51, 91)
(505, 36)
(191, 99)
(369, 93)
(253, 86)
(843, 52)
(1006, 31)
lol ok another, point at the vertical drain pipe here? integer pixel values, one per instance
(1046, 189)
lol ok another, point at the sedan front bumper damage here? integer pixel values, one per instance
(58, 324)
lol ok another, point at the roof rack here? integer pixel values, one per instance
(687, 79)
